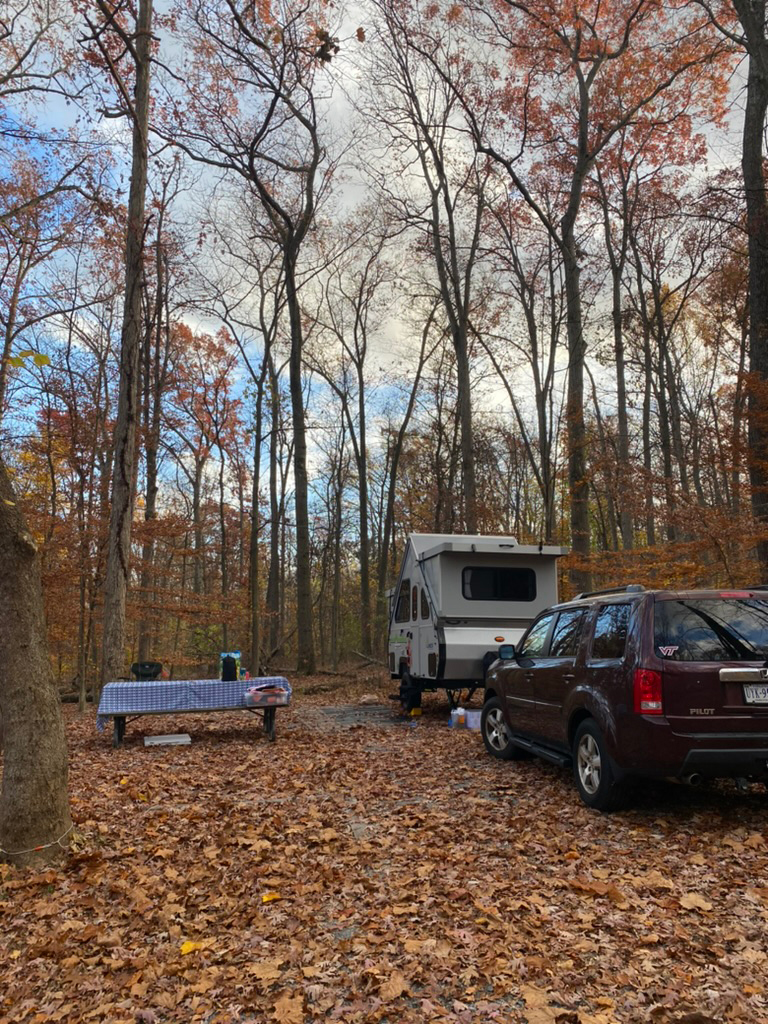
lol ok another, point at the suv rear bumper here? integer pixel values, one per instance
(727, 763)
(676, 754)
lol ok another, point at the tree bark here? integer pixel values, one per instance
(617, 257)
(34, 806)
(155, 378)
(366, 629)
(757, 228)
(274, 624)
(123, 480)
(305, 641)
(254, 571)
(578, 483)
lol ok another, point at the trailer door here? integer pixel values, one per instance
(400, 631)
(425, 638)
(418, 662)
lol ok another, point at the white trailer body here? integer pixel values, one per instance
(458, 598)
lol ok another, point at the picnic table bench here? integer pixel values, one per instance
(125, 700)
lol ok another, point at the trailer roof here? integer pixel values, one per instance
(429, 545)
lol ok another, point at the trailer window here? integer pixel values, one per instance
(403, 602)
(498, 583)
(424, 604)
(415, 603)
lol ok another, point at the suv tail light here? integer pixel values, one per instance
(648, 692)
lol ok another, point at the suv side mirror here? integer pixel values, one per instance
(507, 652)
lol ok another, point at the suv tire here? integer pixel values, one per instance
(593, 771)
(496, 737)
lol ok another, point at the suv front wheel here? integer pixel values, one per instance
(496, 737)
(593, 772)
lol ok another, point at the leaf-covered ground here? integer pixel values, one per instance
(389, 873)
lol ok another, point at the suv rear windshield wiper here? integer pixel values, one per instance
(742, 648)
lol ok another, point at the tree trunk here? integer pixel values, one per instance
(469, 484)
(254, 574)
(34, 807)
(223, 556)
(154, 381)
(366, 631)
(123, 480)
(338, 505)
(623, 475)
(665, 440)
(198, 579)
(578, 484)
(388, 532)
(757, 227)
(273, 578)
(650, 513)
(305, 641)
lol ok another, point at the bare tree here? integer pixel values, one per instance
(254, 112)
(555, 79)
(419, 114)
(129, 72)
(156, 360)
(351, 310)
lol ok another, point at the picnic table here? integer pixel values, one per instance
(125, 700)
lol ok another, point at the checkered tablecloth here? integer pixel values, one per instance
(152, 697)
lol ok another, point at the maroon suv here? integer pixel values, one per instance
(632, 683)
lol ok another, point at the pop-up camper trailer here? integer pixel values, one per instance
(457, 599)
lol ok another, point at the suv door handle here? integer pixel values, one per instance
(569, 677)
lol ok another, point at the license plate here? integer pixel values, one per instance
(756, 693)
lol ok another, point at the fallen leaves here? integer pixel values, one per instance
(190, 947)
(289, 1009)
(380, 875)
(596, 888)
(694, 901)
(265, 970)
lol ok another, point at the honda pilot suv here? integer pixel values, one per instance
(635, 683)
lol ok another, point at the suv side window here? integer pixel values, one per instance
(565, 639)
(534, 642)
(610, 636)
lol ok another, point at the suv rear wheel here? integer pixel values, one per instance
(496, 737)
(593, 772)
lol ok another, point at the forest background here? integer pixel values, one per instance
(436, 267)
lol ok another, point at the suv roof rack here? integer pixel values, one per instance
(631, 588)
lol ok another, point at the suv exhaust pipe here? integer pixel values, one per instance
(694, 779)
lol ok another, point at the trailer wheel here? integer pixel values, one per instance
(496, 735)
(410, 692)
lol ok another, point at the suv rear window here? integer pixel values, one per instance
(711, 629)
